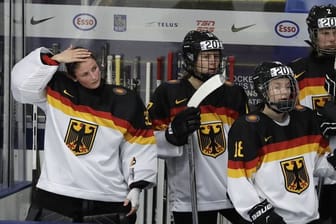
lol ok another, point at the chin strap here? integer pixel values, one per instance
(309, 43)
(202, 77)
(274, 109)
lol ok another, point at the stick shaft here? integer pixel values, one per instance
(148, 82)
(109, 78)
(117, 69)
(231, 61)
(170, 66)
(193, 187)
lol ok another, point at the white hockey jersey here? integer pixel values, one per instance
(92, 137)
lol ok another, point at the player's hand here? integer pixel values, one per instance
(263, 213)
(133, 197)
(328, 111)
(184, 124)
(71, 54)
(328, 128)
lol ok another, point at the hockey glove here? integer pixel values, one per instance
(263, 213)
(327, 115)
(330, 85)
(184, 123)
(328, 128)
(328, 111)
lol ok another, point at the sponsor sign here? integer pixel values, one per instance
(165, 25)
(84, 21)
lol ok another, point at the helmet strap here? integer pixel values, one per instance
(201, 77)
(274, 108)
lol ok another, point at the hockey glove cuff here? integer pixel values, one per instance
(184, 124)
(263, 213)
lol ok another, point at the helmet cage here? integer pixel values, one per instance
(262, 80)
(196, 42)
(321, 17)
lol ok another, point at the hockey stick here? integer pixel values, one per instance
(170, 65)
(201, 93)
(34, 211)
(135, 80)
(149, 193)
(117, 61)
(104, 53)
(109, 76)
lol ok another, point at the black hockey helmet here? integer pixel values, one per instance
(321, 17)
(196, 41)
(267, 71)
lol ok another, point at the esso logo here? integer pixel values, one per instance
(287, 29)
(84, 21)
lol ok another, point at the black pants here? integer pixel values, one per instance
(315, 222)
(327, 201)
(74, 208)
(209, 217)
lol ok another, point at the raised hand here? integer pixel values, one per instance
(72, 55)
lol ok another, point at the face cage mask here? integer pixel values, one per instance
(321, 51)
(205, 76)
(283, 106)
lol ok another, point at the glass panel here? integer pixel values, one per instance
(12, 160)
(2, 163)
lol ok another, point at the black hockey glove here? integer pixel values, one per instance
(328, 128)
(263, 213)
(328, 111)
(327, 115)
(330, 85)
(184, 123)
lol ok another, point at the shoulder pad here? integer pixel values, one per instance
(173, 81)
(228, 83)
(253, 118)
(300, 108)
(119, 91)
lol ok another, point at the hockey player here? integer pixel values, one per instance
(174, 122)
(274, 153)
(99, 153)
(311, 73)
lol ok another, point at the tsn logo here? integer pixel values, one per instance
(205, 25)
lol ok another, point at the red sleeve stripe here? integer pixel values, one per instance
(48, 61)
